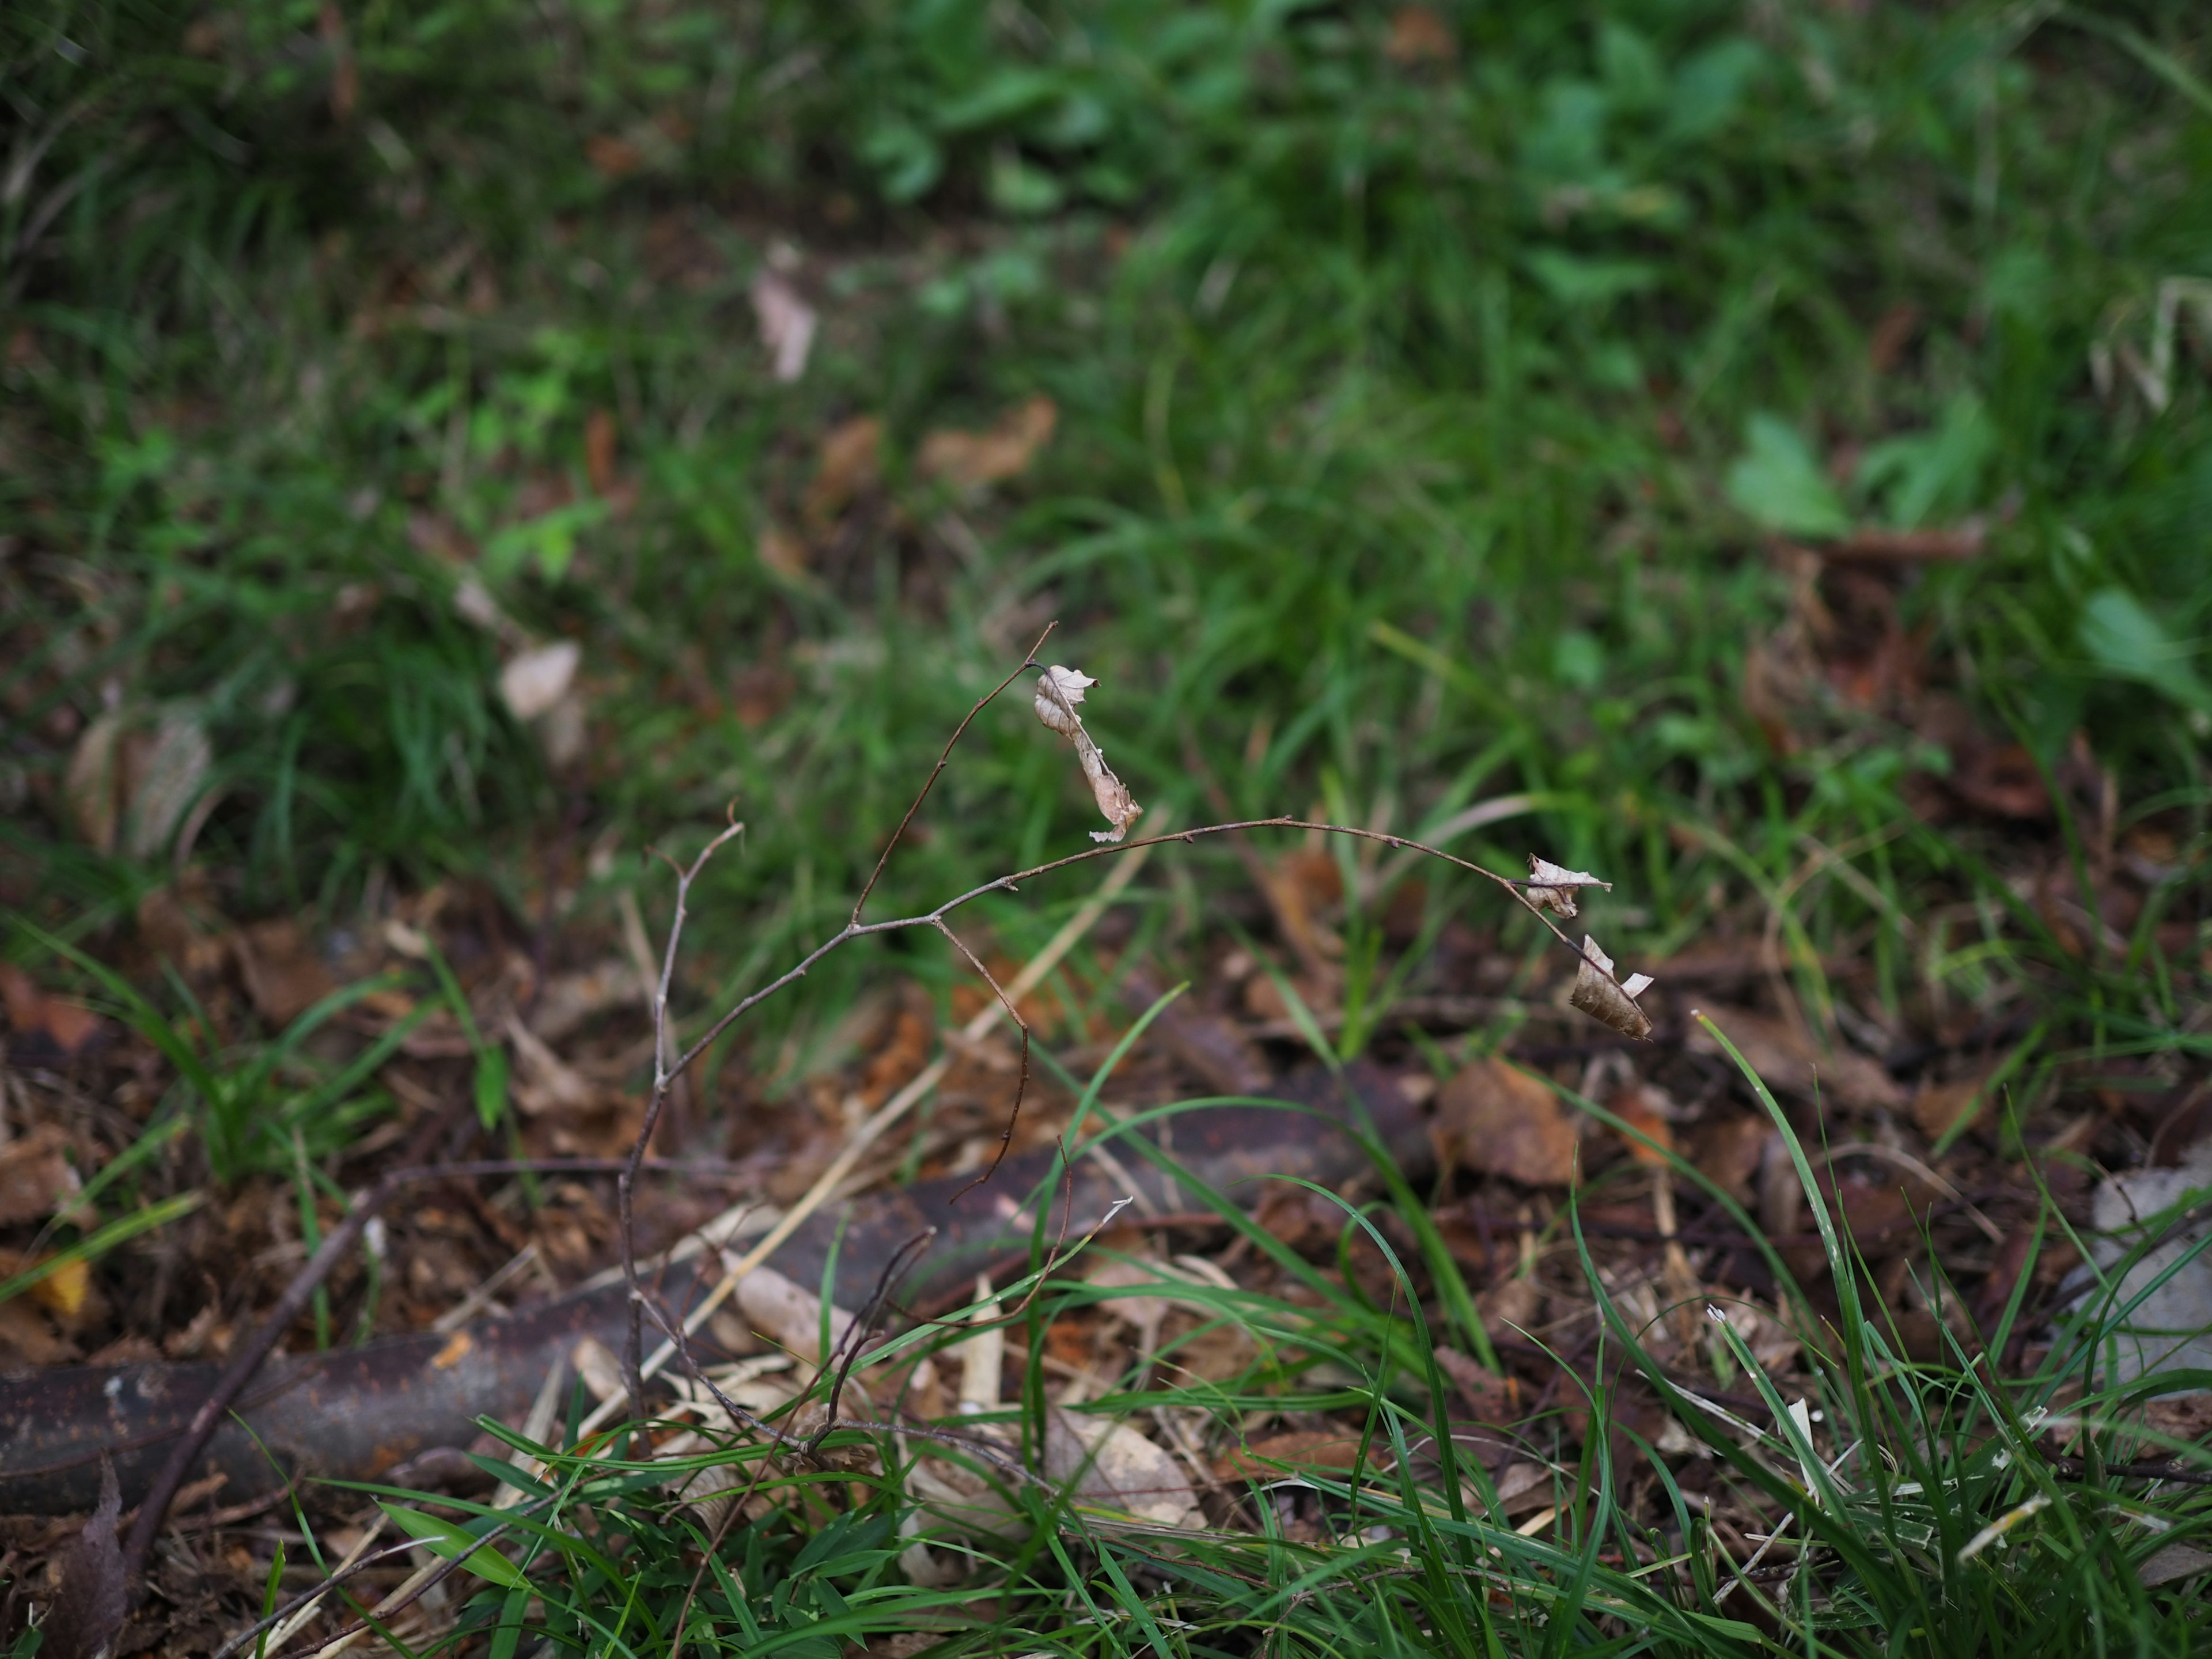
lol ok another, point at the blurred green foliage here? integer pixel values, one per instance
(1427, 380)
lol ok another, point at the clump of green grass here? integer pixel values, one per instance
(1909, 1507)
(1392, 451)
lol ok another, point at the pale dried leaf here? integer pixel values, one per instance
(547, 1083)
(563, 729)
(596, 1364)
(1114, 1468)
(1058, 712)
(167, 781)
(536, 679)
(569, 999)
(981, 1353)
(2174, 1561)
(474, 604)
(1057, 690)
(786, 324)
(1598, 994)
(1555, 887)
(91, 783)
(789, 1314)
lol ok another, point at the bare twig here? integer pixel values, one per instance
(665, 1070)
(855, 1339)
(875, 875)
(634, 1342)
(307, 1598)
(1021, 1083)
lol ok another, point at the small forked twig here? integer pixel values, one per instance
(625, 1184)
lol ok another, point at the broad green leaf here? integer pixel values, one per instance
(2130, 643)
(456, 1542)
(1778, 483)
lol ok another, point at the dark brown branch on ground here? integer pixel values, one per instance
(235, 1376)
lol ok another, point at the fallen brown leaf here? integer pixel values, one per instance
(852, 461)
(1492, 1398)
(611, 157)
(26, 1339)
(1496, 1119)
(35, 1178)
(1784, 1061)
(1643, 1109)
(1728, 1151)
(1418, 36)
(970, 460)
(1323, 1449)
(48, 1029)
(2184, 1416)
(93, 1597)
(783, 551)
(1937, 1108)
(282, 974)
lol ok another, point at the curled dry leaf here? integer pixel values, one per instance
(1553, 888)
(1605, 999)
(1057, 690)
(1058, 712)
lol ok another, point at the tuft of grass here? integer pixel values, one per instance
(1908, 1507)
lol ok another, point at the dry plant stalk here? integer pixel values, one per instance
(1548, 888)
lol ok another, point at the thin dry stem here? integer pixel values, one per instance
(943, 761)
(1021, 1083)
(625, 1184)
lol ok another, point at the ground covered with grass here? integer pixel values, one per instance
(1758, 455)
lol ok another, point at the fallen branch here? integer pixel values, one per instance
(240, 1370)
